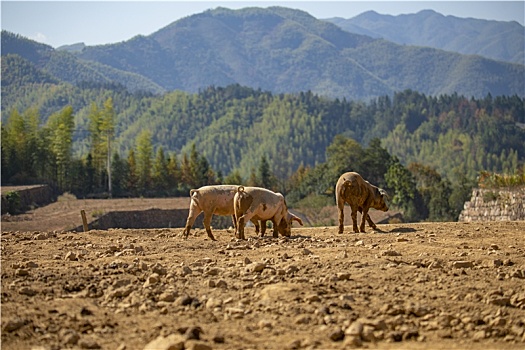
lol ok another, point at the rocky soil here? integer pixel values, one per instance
(410, 286)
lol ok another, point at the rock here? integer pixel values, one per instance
(302, 319)
(152, 279)
(21, 272)
(27, 291)
(193, 333)
(498, 300)
(186, 271)
(168, 296)
(390, 253)
(69, 337)
(30, 265)
(462, 264)
(306, 252)
(218, 338)
(435, 265)
(70, 256)
(184, 300)
(221, 284)
(312, 298)
(479, 335)
(214, 271)
(256, 267)
(213, 303)
(14, 324)
(355, 329)
(336, 334)
(265, 323)
(343, 276)
(88, 343)
(159, 269)
(352, 342)
(171, 342)
(191, 345)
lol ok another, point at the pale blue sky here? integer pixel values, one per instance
(58, 23)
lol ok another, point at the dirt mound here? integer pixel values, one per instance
(410, 286)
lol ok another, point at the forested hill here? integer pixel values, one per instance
(502, 41)
(279, 50)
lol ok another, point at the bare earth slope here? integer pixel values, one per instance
(411, 286)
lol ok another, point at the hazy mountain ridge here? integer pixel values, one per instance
(276, 49)
(496, 40)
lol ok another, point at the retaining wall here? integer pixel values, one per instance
(153, 218)
(29, 197)
(494, 205)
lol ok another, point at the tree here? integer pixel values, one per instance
(62, 125)
(344, 154)
(133, 178)
(264, 176)
(174, 174)
(234, 178)
(102, 128)
(144, 163)
(160, 174)
(120, 175)
(402, 183)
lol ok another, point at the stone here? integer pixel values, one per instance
(168, 296)
(171, 342)
(89, 343)
(191, 345)
(462, 264)
(27, 291)
(70, 256)
(152, 279)
(390, 253)
(22, 272)
(221, 284)
(13, 324)
(336, 334)
(355, 329)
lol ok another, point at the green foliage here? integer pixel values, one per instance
(12, 200)
(495, 180)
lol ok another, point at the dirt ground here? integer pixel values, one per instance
(409, 286)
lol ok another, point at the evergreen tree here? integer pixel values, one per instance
(174, 175)
(265, 177)
(62, 125)
(234, 178)
(160, 173)
(133, 177)
(144, 161)
(119, 173)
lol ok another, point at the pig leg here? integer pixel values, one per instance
(354, 219)
(364, 217)
(370, 222)
(341, 210)
(207, 223)
(194, 212)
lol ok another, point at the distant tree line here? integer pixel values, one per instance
(426, 151)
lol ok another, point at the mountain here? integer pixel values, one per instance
(275, 49)
(497, 40)
(65, 66)
(285, 50)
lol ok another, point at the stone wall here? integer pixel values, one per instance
(29, 197)
(153, 218)
(494, 205)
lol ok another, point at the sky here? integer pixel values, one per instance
(58, 23)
